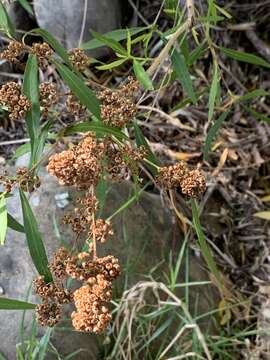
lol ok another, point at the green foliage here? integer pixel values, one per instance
(6, 24)
(3, 219)
(245, 57)
(34, 239)
(142, 76)
(11, 304)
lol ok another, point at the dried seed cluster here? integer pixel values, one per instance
(91, 299)
(48, 96)
(118, 107)
(43, 53)
(78, 59)
(79, 166)
(16, 103)
(13, 52)
(191, 182)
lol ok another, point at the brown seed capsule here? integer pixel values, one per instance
(16, 103)
(78, 59)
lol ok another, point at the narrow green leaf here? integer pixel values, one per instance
(112, 65)
(26, 6)
(257, 115)
(99, 128)
(34, 239)
(212, 133)
(180, 67)
(12, 304)
(113, 44)
(31, 91)
(142, 76)
(40, 144)
(245, 57)
(196, 53)
(6, 24)
(14, 224)
(213, 91)
(21, 150)
(253, 94)
(140, 140)
(78, 87)
(54, 44)
(206, 252)
(3, 219)
(117, 35)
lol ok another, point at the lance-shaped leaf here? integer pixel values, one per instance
(78, 87)
(14, 224)
(142, 76)
(98, 127)
(3, 219)
(12, 304)
(6, 24)
(245, 57)
(31, 91)
(34, 239)
(181, 69)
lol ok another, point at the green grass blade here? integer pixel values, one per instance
(213, 91)
(3, 219)
(34, 239)
(14, 224)
(181, 69)
(78, 87)
(245, 57)
(12, 304)
(212, 133)
(206, 252)
(142, 76)
(97, 127)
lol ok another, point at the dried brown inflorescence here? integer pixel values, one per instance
(48, 314)
(78, 59)
(16, 103)
(43, 53)
(118, 107)
(191, 182)
(26, 180)
(79, 166)
(91, 299)
(13, 52)
(48, 96)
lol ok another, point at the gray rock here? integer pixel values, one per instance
(65, 18)
(144, 237)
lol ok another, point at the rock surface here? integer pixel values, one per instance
(65, 19)
(144, 237)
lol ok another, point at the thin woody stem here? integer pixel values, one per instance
(94, 229)
(173, 38)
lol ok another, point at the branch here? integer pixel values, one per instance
(173, 38)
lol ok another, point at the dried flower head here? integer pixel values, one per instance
(101, 230)
(80, 166)
(14, 50)
(193, 183)
(172, 175)
(78, 59)
(109, 267)
(74, 107)
(59, 263)
(16, 103)
(118, 107)
(48, 314)
(43, 53)
(48, 96)
(50, 291)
